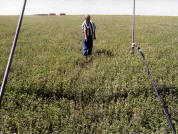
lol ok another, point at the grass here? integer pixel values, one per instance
(52, 88)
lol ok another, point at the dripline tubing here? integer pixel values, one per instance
(3, 85)
(155, 89)
(148, 70)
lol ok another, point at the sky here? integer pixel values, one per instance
(121, 7)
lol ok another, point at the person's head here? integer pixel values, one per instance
(87, 18)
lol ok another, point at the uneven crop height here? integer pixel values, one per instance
(52, 88)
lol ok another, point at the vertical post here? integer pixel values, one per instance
(133, 25)
(4, 82)
(133, 29)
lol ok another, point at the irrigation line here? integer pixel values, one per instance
(4, 82)
(156, 91)
(148, 70)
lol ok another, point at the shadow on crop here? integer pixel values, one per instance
(88, 94)
(104, 52)
(83, 62)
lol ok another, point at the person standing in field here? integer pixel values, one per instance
(88, 28)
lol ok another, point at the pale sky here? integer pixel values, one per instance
(143, 7)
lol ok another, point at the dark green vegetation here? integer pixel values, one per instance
(52, 88)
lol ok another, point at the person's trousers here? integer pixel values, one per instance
(87, 46)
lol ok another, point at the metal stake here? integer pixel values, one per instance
(12, 53)
(133, 29)
(133, 26)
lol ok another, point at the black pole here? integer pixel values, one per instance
(12, 53)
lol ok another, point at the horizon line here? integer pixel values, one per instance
(57, 14)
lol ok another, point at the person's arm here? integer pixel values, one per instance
(94, 31)
(84, 31)
(85, 34)
(94, 35)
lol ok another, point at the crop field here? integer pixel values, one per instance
(52, 88)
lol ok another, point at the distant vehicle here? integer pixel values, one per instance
(62, 14)
(52, 14)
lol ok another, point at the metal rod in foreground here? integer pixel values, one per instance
(4, 82)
